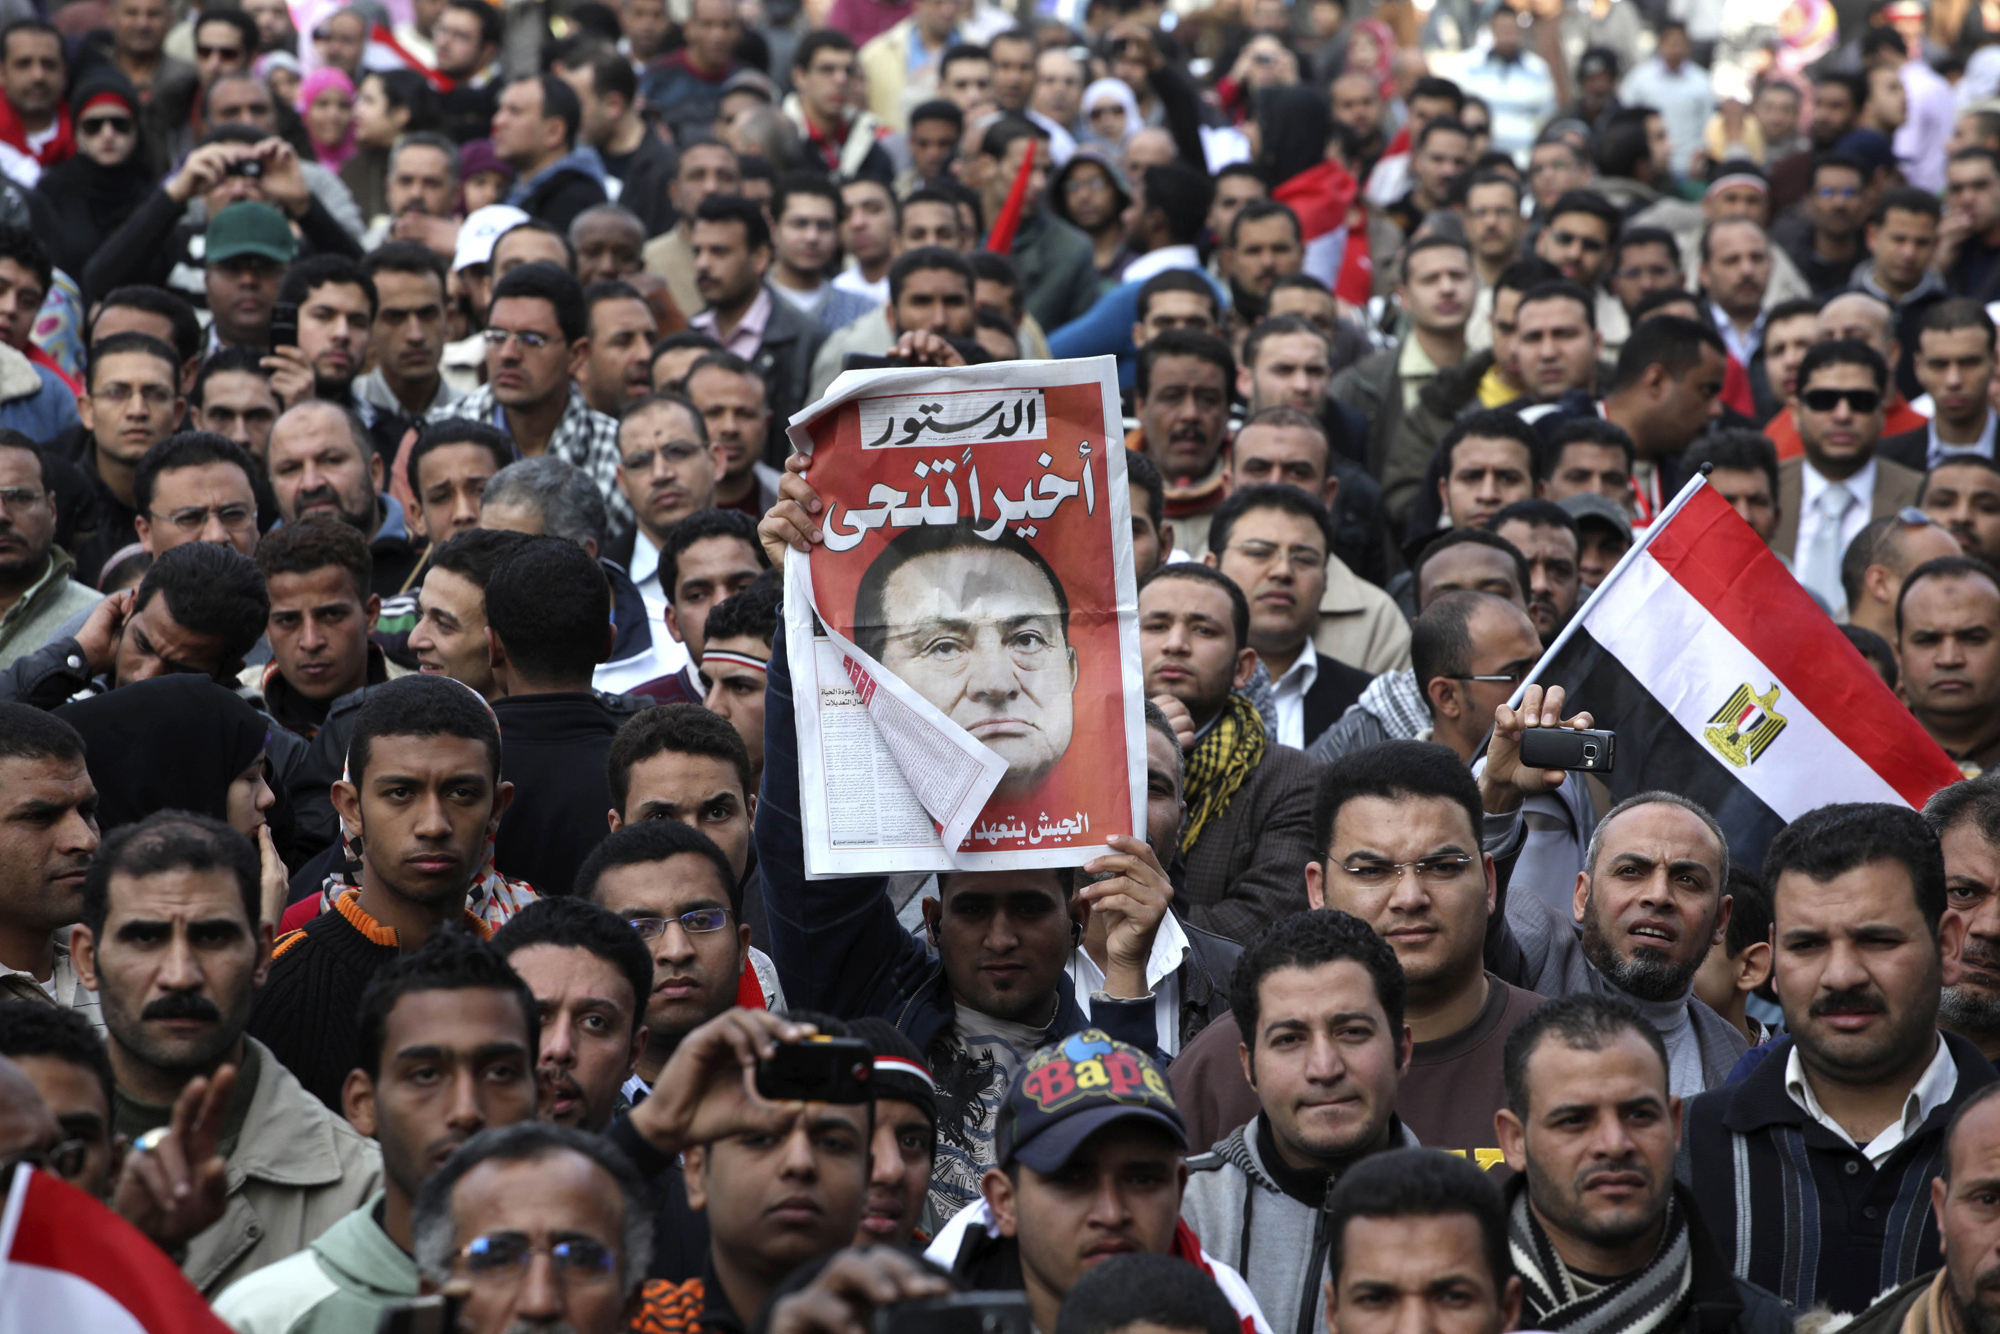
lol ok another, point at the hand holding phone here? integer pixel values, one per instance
(1582, 750)
(817, 1069)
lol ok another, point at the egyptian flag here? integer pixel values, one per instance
(1321, 198)
(69, 1263)
(1726, 684)
(384, 53)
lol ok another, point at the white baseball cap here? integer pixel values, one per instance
(480, 230)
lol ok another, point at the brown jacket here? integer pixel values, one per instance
(1895, 487)
(1248, 868)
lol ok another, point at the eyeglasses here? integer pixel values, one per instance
(1863, 401)
(1838, 192)
(1512, 676)
(1303, 560)
(529, 338)
(641, 460)
(93, 125)
(1589, 244)
(698, 922)
(505, 1256)
(152, 395)
(221, 52)
(1430, 870)
(20, 499)
(234, 518)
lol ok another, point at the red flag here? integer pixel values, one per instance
(70, 1263)
(1001, 239)
(386, 53)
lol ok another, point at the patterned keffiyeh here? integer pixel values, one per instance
(1222, 762)
(1646, 1302)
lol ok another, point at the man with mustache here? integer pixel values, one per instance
(1948, 640)
(1603, 1236)
(1181, 397)
(1845, 1120)
(1963, 494)
(172, 943)
(1547, 536)
(448, 1035)
(323, 460)
(1966, 818)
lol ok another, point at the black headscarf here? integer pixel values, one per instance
(1293, 122)
(174, 742)
(91, 201)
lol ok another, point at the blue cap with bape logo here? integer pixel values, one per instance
(1069, 1090)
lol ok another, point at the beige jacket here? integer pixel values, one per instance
(296, 1171)
(671, 255)
(1359, 624)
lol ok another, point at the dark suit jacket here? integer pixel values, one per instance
(784, 359)
(1895, 487)
(1337, 686)
(1912, 449)
(1248, 868)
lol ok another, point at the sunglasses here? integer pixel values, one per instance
(90, 125)
(1589, 244)
(1863, 401)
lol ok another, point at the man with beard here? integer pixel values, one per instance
(1264, 244)
(1648, 904)
(1547, 536)
(1603, 1235)
(1966, 819)
(1845, 1120)
(1963, 494)
(322, 460)
(447, 1050)
(336, 302)
(172, 943)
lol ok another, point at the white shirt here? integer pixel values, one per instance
(1170, 949)
(645, 573)
(1160, 261)
(1931, 1091)
(1861, 486)
(1938, 451)
(1288, 696)
(1742, 346)
(850, 280)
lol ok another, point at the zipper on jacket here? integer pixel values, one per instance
(1309, 1300)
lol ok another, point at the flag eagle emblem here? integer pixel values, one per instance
(1744, 728)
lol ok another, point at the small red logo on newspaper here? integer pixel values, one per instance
(864, 684)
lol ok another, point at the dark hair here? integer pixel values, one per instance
(1593, 203)
(1266, 496)
(1140, 471)
(988, 267)
(700, 526)
(317, 271)
(1662, 297)
(1184, 343)
(1146, 1289)
(1561, 289)
(1583, 1022)
(1632, 238)
(1477, 177)
(926, 257)
(1273, 326)
(754, 611)
(793, 184)
(1841, 352)
(211, 590)
(1239, 606)
(1956, 313)
(458, 431)
(474, 554)
(649, 841)
(1438, 89)
(1738, 447)
(491, 30)
(550, 604)
(558, 100)
(1183, 196)
(224, 361)
(1671, 342)
(21, 245)
(31, 25)
(1948, 567)
(1441, 636)
(1623, 146)
(1174, 280)
(1870, 547)
(1750, 918)
(1458, 537)
(1308, 940)
(871, 628)
(822, 39)
(610, 73)
(737, 209)
(684, 729)
(580, 924)
(1906, 199)
(1392, 770)
(1792, 309)
(546, 228)
(1588, 431)
(29, 733)
(187, 449)
(726, 362)
(1839, 161)
(1525, 274)
(1419, 1183)
(940, 109)
(313, 543)
(448, 961)
(404, 257)
(1832, 840)
(1491, 424)
(420, 706)
(133, 341)
(1002, 134)
(170, 841)
(157, 301)
(36, 1028)
(246, 28)
(1257, 210)
(1536, 513)
(1880, 656)
(544, 280)
(1441, 125)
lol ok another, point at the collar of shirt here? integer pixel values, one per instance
(1288, 695)
(749, 333)
(645, 559)
(1931, 1091)
(1414, 365)
(1742, 346)
(29, 594)
(1159, 261)
(1938, 451)
(1170, 949)
(1862, 484)
(63, 986)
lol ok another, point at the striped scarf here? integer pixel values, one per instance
(1220, 763)
(1640, 1303)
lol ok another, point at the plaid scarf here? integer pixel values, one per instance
(1220, 763)
(1640, 1303)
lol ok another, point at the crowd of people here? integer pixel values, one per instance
(402, 875)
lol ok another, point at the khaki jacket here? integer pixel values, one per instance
(1359, 624)
(671, 255)
(296, 1171)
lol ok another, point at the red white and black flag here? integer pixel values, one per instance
(1727, 684)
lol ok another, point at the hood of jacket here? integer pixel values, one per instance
(581, 160)
(357, 1254)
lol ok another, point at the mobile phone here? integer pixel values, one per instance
(959, 1313)
(862, 361)
(284, 324)
(435, 1314)
(245, 166)
(1565, 748)
(819, 1069)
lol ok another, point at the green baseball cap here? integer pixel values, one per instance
(249, 228)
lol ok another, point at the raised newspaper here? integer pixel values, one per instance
(962, 643)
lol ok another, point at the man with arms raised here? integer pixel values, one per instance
(447, 1049)
(423, 797)
(1852, 1105)
(184, 888)
(1598, 1225)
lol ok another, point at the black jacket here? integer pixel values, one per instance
(561, 197)
(1912, 449)
(646, 171)
(1337, 686)
(160, 247)
(553, 750)
(784, 359)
